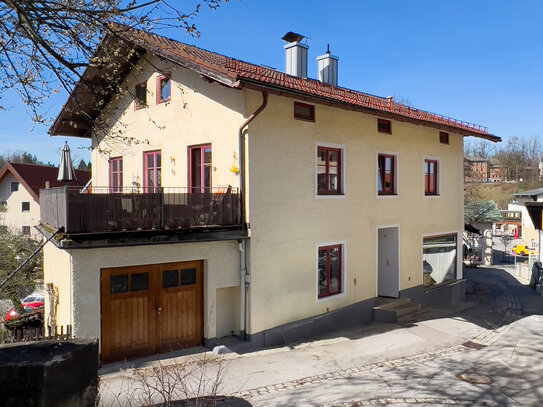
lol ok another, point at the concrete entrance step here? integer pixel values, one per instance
(392, 309)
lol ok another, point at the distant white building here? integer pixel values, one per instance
(20, 186)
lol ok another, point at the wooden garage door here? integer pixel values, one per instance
(150, 309)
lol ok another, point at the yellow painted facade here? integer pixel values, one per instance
(288, 219)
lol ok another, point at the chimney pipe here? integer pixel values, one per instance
(295, 55)
(327, 67)
(47, 185)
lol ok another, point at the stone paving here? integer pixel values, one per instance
(504, 312)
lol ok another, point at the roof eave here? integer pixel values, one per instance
(284, 91)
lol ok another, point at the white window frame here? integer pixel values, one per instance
(396, 174)
(341, 147)
(343, 292)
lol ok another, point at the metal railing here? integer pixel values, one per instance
(105, 209)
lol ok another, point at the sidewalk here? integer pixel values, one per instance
(434, 334)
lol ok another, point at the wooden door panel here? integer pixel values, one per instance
(144, 313)
(180, 322)
(127, 307)
(130, 317)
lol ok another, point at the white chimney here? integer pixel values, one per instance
(295, 55)
(327, 67)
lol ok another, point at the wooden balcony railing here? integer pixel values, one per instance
(99, 210)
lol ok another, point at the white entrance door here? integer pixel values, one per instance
(388, 262)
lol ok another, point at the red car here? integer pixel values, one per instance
(29, 303)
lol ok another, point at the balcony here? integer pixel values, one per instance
(97, 210)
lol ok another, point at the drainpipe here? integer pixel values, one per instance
(244, 276)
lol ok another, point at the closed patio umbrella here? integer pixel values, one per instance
(66, 170)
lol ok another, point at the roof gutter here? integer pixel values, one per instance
(244, 276)
(297, 94)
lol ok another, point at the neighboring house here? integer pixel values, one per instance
(481, 216)
(529, 233)
(20, 186)
(495, 173)
(258, 203)
(477, 169)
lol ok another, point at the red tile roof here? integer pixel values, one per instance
(240, 70)
(234, 73)
(33, 177)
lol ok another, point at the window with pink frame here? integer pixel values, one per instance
(200, 168)
(152, 171)
(116, 175)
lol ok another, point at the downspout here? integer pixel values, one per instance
(244, 276)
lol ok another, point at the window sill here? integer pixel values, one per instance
(329, 297)
(330, 196)
(431, 196)
(387, 195)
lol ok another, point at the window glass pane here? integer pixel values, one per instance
(323, 260)
(207, 176)
(188, 276)
(165, 85)
(335, 276)
(150, 161)
(439, 260)
(141, 95)
(170, 278)
(302, 111)
(158, 160)
(118, 284)
(139, 282)
(158, 181)
(14, 186)
(207, 155)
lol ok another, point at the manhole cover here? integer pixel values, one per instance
(474, 345)
(475, 378)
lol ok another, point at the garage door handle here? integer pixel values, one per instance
(158, 310)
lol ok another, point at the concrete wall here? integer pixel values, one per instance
(15, 218)
(57, 269)
(191, 117)
(221, 270)
(289, 220)
(49, 373)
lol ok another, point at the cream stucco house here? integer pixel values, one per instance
(20, 186)
(254, 202)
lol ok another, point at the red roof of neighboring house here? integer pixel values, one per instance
(33, 177)
(237, 73)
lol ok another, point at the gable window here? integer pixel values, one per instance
(304, 111)
(329, 171)
(163, 89)
(330, 270)
(386, 174)
(200, 168)
(443, 137)
(384, 126)
(25, 206)
(152, 171)
(14, 186)
(430, 176)
(140, 100)
(116, 175)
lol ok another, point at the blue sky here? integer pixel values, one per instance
(479, 61)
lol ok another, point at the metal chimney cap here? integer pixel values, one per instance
(292, 37)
